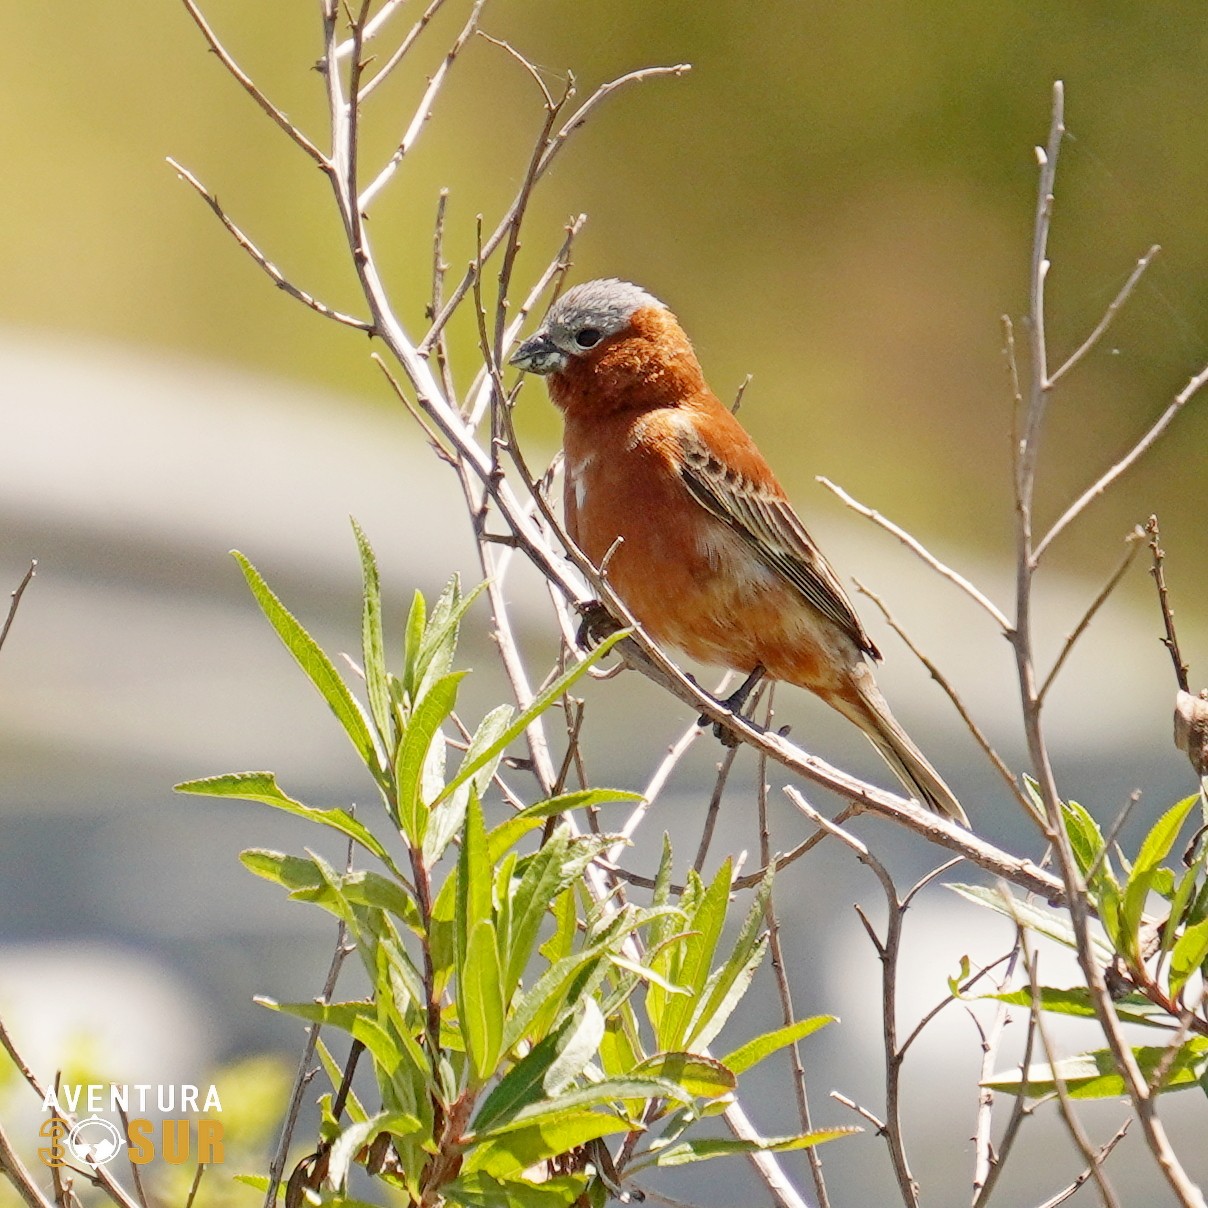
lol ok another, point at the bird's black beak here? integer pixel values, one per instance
(538, 354)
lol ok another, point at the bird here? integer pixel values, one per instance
(664, 485)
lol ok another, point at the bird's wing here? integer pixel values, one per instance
(761, 515)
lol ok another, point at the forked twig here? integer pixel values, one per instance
(244, 241)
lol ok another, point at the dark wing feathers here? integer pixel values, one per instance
(774, 532)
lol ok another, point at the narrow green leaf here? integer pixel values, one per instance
(508, 834)
(728, 984)
(353, 1138)
(480, 1190)
(480, 1001)
(262, 787)
(741, 1059)
(1040, 919)
(598, 1094)
(428, 715)
(699, 1076)
(417, 620)
(702, 1148)
(1155, 848)
(706, 921)
(1086, 839)
(373, 646)
(540, 885)
(1076, 1001)
(474, 881)
(1188, 955)
(1094, 1075)
(520, 1148)
(542, 702)
(318, 667)
(546, 1069)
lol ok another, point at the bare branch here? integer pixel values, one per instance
(1108, 315)
(279, 278)
(1099, 1158)
(15, 603)
(305, 1072)
(1125, 463)
(780, 970)
(245, 82)
(1133, 540)
(936, 674)
(423, 110)
(1170, 641)
(18, 1175)
(555, 145)
(914, 544)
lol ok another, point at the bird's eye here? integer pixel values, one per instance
(589, 337)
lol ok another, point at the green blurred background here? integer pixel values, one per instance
(837, 199)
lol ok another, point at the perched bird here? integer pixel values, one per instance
(712, 557)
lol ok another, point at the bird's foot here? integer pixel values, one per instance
(596, 624)
(734, 703)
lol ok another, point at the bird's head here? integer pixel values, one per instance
(610, 342)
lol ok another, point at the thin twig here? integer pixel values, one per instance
(1170, 641)
(400, 51)
(556, 144)
(423, 111)
(714, 809)
(936, 674)
(304, 1074)
(912, 543)
(1133, 541)
(1099, 1158)
(278, 277)
(888, 949)
(15, 601)
(1125, 463)
(779, 969)
(245, 82)
(1108, 315)
(18, 1175)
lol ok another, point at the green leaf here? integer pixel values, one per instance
(353, 1138)
(511, 1152)
(598, 1094)
(428, 715)
(480, 1190)
(541, 883)
(546, 1069)
(318, 667)
(706, 921)
(1155, 848)
(741, 1059)
(702, 1148)
(540, 703)
(1086, 839)
(699, 1076)
(1077, 1001)
(1094, 1075)
(480, 1001)
(1188, 955)
(417, 620)
(508, 834)
(262, 787)
(373, 646)
(474, 881)
(728, 984)
(1039, 918)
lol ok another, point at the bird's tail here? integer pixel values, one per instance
(870, 712)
